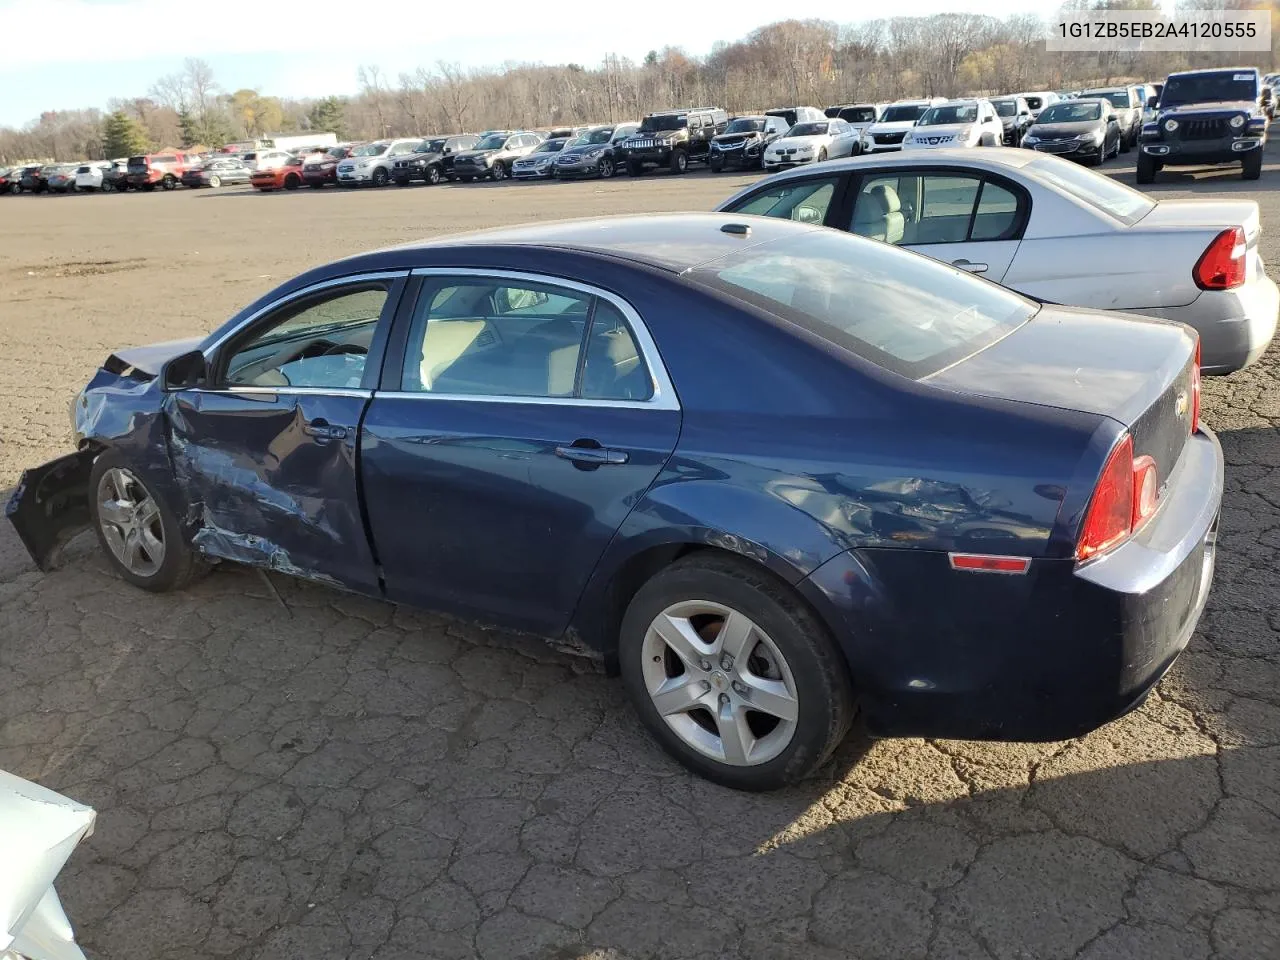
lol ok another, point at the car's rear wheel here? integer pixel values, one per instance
(168, 182)
(1251, 164)
(137, 530)
(1147, 168)
(606, 168)
(733, 674)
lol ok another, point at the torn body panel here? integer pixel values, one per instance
(50, 505)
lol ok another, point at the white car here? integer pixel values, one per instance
(811, 141)
(1037, 100)
(266, 159)
(956, 123)
(89, 176)
(896, 121)
(1053, 230)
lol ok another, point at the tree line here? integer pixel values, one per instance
(814, 62)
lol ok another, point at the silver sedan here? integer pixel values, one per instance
(1054, 231)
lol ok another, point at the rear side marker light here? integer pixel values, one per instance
(988, 563)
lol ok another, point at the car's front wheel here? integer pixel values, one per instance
(733, 674)
(380, 177)
(1251, 164)
(433, 175)
(498, 171)
(1147, 167)
(137, 530)
(606, 168)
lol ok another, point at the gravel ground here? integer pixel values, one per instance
(284, 771)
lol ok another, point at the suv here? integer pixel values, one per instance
(1127, 103)
(493, 155)
(432, 160)
(321, 169)
(1015, 116)
(857, 115)
(743, 141)
(1206, 116)
(372, 162)
(146, 172)
(673, 139)
(594, 154)
(1037, 100)
(894, 124)
(794, 115)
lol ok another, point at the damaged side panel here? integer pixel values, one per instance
(269, 479)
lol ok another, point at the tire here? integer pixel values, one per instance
(606, 168)
(291, 182)
(316, 185)
(178, 564)
(466, 179)
(1147, 168)
(380, 177)
(811, 676)
(402, 181)
(148, 188)
(1251, 165)
(168, 182)
(679, 161)
(635, 169)
(15, 188)
(715, 166)
(433, 176)
(1125, 145)
(215, 182)
(497, 171)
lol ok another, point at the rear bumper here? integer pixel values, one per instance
(1235, 326)
(1048, 655)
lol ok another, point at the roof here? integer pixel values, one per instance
(989, 158)
(674, 242)
(1192, 73)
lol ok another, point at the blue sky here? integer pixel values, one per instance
(61, 54)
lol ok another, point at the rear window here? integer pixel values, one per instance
(1100, 192)
(137, 161)
(901, 310)
(80, 170)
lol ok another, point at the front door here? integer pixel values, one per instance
(267, 447)
(959, 218)
(520, 426)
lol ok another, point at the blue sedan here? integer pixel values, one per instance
(774, 474)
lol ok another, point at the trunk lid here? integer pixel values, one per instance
(1212, 216)
(1136, 370)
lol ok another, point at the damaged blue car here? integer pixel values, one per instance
(774, 475)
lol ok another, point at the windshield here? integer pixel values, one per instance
(950, 113)
(370, 150)
(745, 125)
(858, 114)
(1070, 112)
(905, 312)
(1225, 87)
(137, 161)
(1034, 102)
(1118, 98)
(808, 130)
(602, 135)
(666, 121)
(551, 146)
(1005, 108)
(897, 114)
(1100, 192)
(494, 142)
(431, 146)
(338, 153)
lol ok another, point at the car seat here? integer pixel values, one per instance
(878, 215)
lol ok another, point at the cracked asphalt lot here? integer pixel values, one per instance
(285, 771)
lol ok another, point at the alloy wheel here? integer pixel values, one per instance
(130, 521)
(720, 683)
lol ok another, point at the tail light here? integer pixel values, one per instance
(1222, 265)
(1195, 389)
(1126, 496)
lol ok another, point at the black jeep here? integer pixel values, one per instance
(1205, 117)
(673, 139)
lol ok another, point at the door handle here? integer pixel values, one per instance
(322, 430)
(970, 266)
(593, 456)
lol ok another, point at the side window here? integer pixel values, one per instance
(319, 341)
(947, 203)
(997, 214)
(497, 338)
(806, 201)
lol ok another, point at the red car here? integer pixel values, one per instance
(322, 169)
(287, 177)
(165, 170)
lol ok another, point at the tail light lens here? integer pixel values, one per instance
(1222, 265)
(1195, 389)
(1126, 496)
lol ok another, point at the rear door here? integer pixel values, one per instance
(266, 448)
(963, 217)
(521, 418)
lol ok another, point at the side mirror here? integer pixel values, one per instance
(184, 371)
